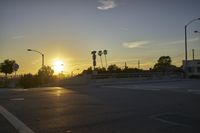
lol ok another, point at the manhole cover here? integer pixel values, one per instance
(178, 119)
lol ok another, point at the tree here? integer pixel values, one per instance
(132, 70)
(29, 80)
(164, 65)
(88, 71)
(113, 68)
(100, 70)
(45, 73)
(94, 58)
(166, 60)
(100, 54)
(8, 66)
(105, 52)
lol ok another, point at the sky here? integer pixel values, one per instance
(68, 30)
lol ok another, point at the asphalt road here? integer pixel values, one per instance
(167, 107)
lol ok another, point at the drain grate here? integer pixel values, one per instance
(178, 119)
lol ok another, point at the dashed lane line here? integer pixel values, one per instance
(16, 123)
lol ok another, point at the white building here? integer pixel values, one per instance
(193, 67)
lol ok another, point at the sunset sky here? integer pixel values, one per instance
(68, 30)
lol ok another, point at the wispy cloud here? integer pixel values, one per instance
(17, 37)
(124, 29)
(106, 4)
(138, 44)
(36, 62)
(181, 41)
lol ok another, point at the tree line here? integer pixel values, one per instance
(163, 66)
(45, 74)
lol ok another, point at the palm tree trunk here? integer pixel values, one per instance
(6, 75)
(106, 61)
(101, 62)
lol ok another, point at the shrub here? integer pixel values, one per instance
(29, 80)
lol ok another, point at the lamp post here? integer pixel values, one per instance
(186, 43)
(196, 31)
(40, 54)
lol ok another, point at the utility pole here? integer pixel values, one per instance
(138, 64)
(185, 27)
(125, 66)
(193, 54)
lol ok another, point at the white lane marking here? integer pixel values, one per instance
(32, 89)
(19, 125)
(155, 117)
(19, 89)
(145, 89)
(17, 99)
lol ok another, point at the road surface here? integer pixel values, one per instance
(165, 107)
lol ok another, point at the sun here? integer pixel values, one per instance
(58, 66)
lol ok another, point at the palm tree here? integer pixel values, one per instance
(94, 58)
(100, 53)
(105, 52)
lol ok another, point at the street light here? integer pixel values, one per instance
(40, 54)
(196, 31)
(186, 42)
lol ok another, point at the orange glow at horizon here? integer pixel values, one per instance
(58, 66)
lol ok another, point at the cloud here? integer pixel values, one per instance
(17, 37)
(124, 29)
(138, 44)
(36, 62)
(106, 4)
(181, 41)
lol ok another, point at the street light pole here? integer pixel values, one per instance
(42, 60)
(196, 31)
(185, 48)
(40, 54)
(186, 43)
